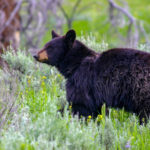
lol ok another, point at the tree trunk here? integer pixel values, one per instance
(9, 24)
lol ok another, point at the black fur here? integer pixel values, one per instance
(118, 77)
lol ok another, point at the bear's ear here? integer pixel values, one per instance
(54, 34)
(70, 38)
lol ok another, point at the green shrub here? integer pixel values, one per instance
(19, 61)
(8, 98)
(90, 41)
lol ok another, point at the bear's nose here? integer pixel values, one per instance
(36, 57)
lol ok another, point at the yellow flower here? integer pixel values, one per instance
(44, 77)
(29, 81)
(89, 117)
(100, 117)
(58, 75)
(70, 106)
(143, 120)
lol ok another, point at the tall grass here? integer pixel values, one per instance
(31, 96)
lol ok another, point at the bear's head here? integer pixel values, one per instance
(55, 50)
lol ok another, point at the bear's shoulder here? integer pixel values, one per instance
(124, 54)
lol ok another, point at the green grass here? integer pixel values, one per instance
(37, 124)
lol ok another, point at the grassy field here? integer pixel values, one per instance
(31, 96)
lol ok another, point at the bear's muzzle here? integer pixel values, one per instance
(41, 56)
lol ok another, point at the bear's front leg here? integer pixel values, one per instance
(80, 110)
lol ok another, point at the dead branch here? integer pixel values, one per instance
(132, 37)
(35, 17)
(143, 31)
(69, 19)
(134, 28)
(124, 11)
(75, 8)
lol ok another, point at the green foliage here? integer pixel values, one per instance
(18, 61)
(8, 97)
(38, 124)
(90, 41)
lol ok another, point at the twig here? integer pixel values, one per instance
(63, 11)
(75, 8)
(124, 11)
(144, 32)
(70, 18)
(30, 18)
(131, 39)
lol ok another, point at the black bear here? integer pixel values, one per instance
(118, 77)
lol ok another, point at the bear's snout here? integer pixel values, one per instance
(36, 57)
(41, 56)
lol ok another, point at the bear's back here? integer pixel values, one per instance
(123, 57)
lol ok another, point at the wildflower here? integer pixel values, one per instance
(58, 75)
(29, 81)
(44, 77)
(143, 120)
(70, 106)
(100, 117)
(89, 117)
(128, 145)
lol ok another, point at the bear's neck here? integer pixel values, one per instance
(74, 58)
